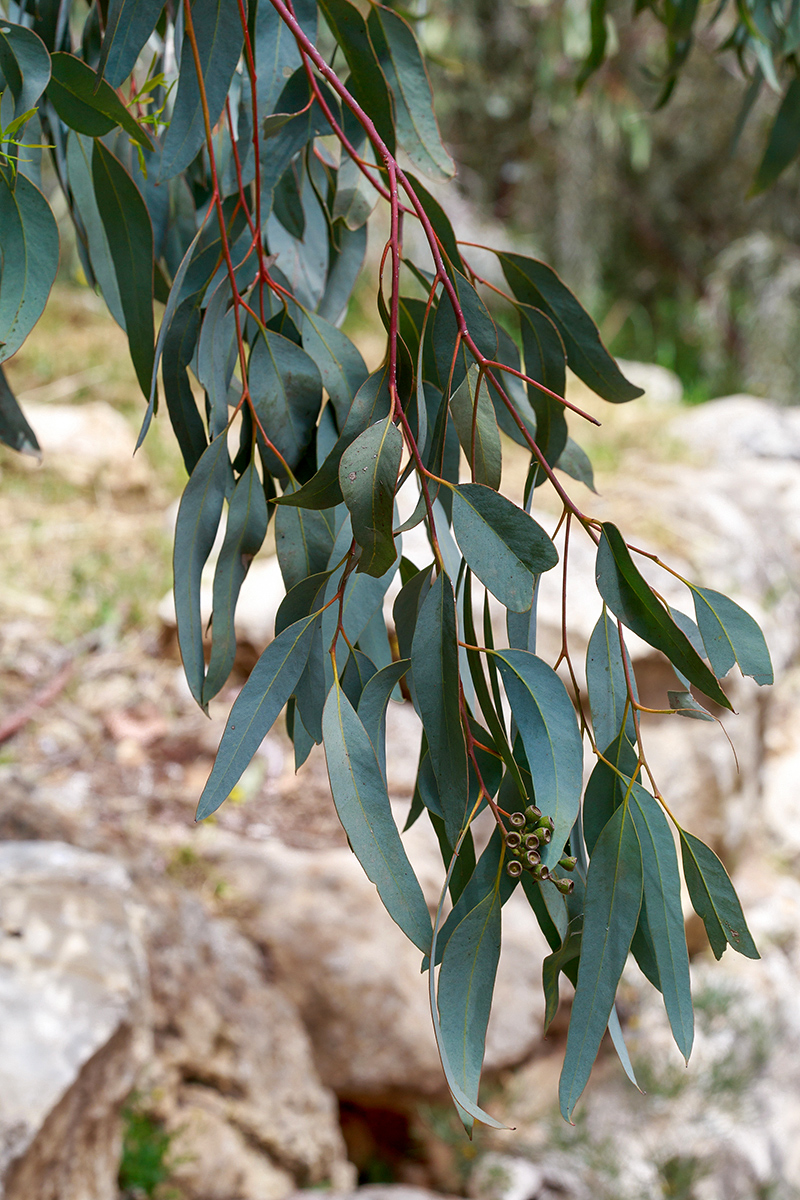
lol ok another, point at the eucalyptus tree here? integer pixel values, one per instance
(221, 159)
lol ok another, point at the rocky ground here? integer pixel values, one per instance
(231, 997)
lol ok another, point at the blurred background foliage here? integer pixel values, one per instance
(647, 212)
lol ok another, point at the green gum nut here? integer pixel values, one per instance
(533, 858)
(567, 863)
(544, 835)
(547, 823)
(565, 886)
(514, 868)
(532, 814)
(518, 819)
(541, 873)
(513, 840)
(531, 841)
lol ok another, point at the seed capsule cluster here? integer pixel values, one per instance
(530, 830)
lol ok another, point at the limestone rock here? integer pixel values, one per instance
(88, 444)
(356, 978)
(73, 997)
(233, 1063)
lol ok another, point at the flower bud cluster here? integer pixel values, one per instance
(530, 830)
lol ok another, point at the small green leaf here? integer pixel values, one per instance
(28, 260)
(257, 707)
(606, 683)
(473, 417)
(130, 241)
(662, 897)
(368, 476)
(502, 544)
(628, 596)
(87, 104)
(613, 900)
(196, 528)
(244, 536)
(685, 705)
(362, 802)
(434, 666)
(79, 168)
(575, 462)
(178, 347)
(731, 635)
(549, 731)
(714, 899)
(536, 284)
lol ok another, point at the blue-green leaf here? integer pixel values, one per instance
(257, 707)
(196, 528)
(89, 105)
(714, 899)
(25, 65)
(303, 541)
(14, 429)
(219, 35)
(628, 596)
(731, 635)
(79, 167)
(606, 683)
(287, 394)
(545, 361)
(503, 545)
(473, 417)
(434, 665)
(784, 140)
(244, 536)
(466, 986)
(575, 462)
(362, 802)
(340, 363)
(402, 65)
(130, 241)
(368, 476)
(128, 26)
(549, 731)
(371, 403)
(536, 284)
(662, 898)
(366, 82)
(28, 260)
(374, 702)
(613, 900)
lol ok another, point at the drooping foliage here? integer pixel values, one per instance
(213, 161)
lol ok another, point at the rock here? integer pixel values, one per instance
(73, 996)
(234, 1072)
(353, 974)
(88, 444)
(740, 427)
(661, 386)
(379, 1191)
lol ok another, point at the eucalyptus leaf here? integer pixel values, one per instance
(362, 802)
